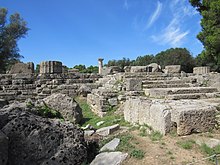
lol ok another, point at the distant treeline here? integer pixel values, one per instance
(173, 56)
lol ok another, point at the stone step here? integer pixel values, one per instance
(193, 96)
(145, 86)
(163, 92)
(163, 82)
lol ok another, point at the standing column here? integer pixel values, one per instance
(100, 65)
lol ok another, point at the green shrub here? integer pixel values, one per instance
(156, 136)
(46, 111)
(138, 154)
(187, 144)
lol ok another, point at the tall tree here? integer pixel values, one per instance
(210, 33)
(177, 56)
(10, 33)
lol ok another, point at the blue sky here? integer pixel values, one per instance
(81, 31)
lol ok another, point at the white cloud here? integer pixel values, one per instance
(155, 15)
(126, 4)
(171, 35)
(176, 31)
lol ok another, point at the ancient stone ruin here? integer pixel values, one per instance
(166, 99)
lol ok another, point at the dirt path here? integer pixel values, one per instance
(165, 151)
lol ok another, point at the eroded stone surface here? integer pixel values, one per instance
(109, 158)
(3, 148)
(36, 140)
(66, 105)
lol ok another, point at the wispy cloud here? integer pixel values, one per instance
(175, 32)
(125, 5)
(172, 34)
(155, 14)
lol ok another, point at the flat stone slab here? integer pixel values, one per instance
(163, 92)
(111, 146)
(109, 158)
(210, 142)
(105, 131)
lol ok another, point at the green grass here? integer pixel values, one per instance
(128, 144)
(156, 136)
(210, 151)
(45, 111)
(91, 118)
(138, 154)
(186, 144)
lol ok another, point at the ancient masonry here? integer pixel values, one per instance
(165, 99)
(25, 84)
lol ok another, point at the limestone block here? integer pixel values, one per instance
(67, 106)
(105, 131)
(109, 158)
(155, 67)
(113, 101)
(50, 67)
(201, 70)
(135, 69)
(111, 146)
(22, 68)
(172, 69)
(133, 85)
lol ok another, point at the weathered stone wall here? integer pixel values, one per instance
(51, 67)
(201, 70)
(189, 116)
(23, 86)
(144, 111)
(22, 68)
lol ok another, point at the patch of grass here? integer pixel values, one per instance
(210, 151)
(138, 154)
(91, 118)
(44, 111)
(156, 136)
(169, 153)
(187, 144)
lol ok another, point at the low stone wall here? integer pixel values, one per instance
(189, 116)
(23, 86)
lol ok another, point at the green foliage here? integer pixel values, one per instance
(177, 56)
(144, 60)
(48, 112)
(156, 136)
(9, 35)
(138, 154)
(83, 69)
(121, 63)
(37, 70)
(187, 144)
(210, 33)
(44, 111)
(210, 151)
(91, 118)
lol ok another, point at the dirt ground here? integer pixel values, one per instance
(167, 151)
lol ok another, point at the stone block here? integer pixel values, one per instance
(111, 146)
(22, 68)
(201, 70)
(133, 85)
(50, 67)
(66, 105)
(105, 131)
(109, 158)
(172, 69)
